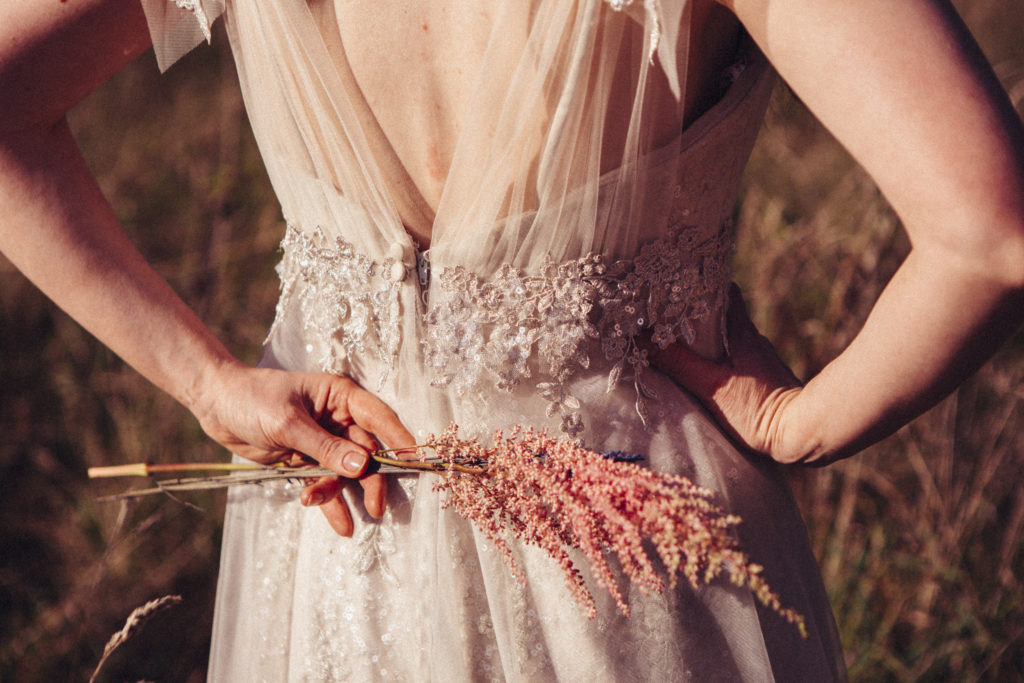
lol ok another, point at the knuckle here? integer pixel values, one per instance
(284, 428)
(346, 385)
(330, 454)
(278, 426)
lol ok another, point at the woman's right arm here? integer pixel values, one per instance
(59, 230)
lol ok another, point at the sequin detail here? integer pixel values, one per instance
(494, 328)
(344, 297)
(513, 326)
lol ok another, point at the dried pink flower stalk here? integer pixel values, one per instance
(558, 496)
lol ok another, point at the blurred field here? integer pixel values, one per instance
(920, 539)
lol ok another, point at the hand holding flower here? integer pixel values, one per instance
(271, 416)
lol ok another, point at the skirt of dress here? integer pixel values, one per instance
(420, 595)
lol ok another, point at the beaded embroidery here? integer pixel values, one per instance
(375, 545)
(494, 327)
(506, 328)
(344, 296)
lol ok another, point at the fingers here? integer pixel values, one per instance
(338, 516)
(363, 438)
(342, 406)
(742, 334)
(374, 485)
(321, 491)
(339, 403)
(344, 456)
(377, 418)
(375, 490)
(751, 367)
(700, 375)
(326, 493)
(737, 317)
(746, 392)
(689, 369)
(749, 351)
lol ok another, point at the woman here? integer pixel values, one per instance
(494, 220)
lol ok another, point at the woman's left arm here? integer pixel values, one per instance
(905, 89)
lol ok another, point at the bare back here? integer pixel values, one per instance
(418, 63)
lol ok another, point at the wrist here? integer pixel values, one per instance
(209, 384)
(821, 425)
(799, 436)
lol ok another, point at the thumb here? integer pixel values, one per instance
(750, 353)
(741, 333)
(333, 452)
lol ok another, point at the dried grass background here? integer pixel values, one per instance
(920, 539)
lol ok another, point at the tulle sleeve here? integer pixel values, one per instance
(177, 26)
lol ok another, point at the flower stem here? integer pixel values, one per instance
(427, 465)
(141, 469)
(383, 462)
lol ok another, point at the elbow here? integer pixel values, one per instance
(988, 246)
(1003, 261)
(1003, 240)
(1004, 252)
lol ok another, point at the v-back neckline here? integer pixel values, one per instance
(413, 210)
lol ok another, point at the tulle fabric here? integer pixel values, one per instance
(177, 26)
(562, 155)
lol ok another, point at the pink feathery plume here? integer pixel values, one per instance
(558, 496)
(555, 495)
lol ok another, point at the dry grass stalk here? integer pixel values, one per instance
(136, 620)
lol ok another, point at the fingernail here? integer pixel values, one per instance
(313, 499)
(354, 461)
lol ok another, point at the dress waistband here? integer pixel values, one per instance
(512, 325)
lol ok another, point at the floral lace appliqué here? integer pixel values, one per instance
(503, 330)
(344, 297)
(374, 546)
(480, 329)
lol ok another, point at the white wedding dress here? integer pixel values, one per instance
(551, 251)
